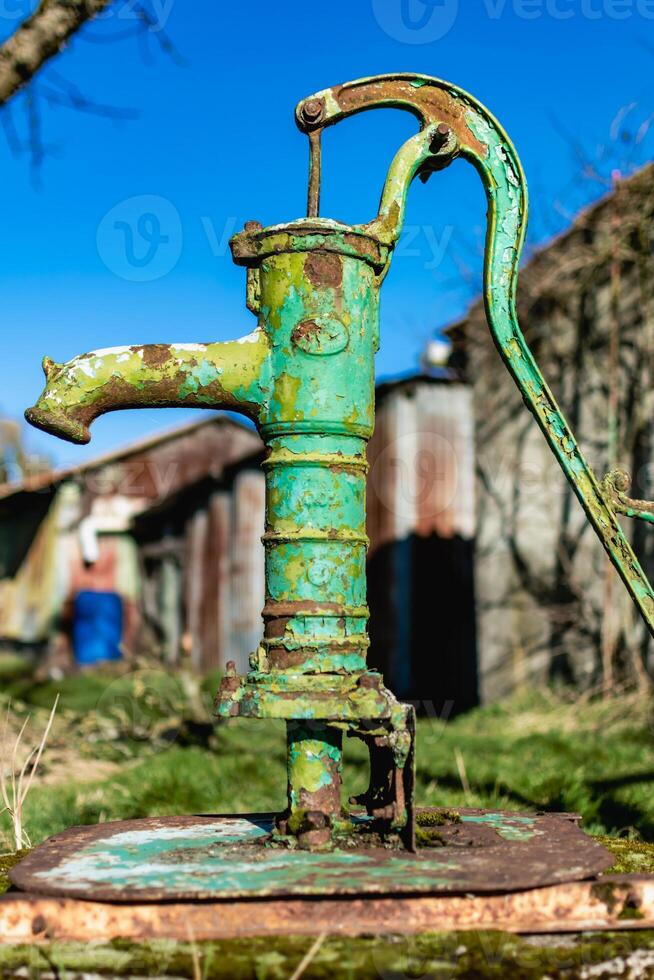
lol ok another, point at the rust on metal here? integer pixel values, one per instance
(428, 102)
(324, 269)
(315, 174)
(237, 856)
(616, 902)
(616, 485)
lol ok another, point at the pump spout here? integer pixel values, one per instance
(230, 375)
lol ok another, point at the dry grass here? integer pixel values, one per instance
(625, 710)
(16, 777)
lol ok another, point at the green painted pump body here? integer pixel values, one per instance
(314, 286)
(305, 376)
(320, 311)
(317, 303)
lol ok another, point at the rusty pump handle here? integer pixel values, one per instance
(433, 148)
(453, 124)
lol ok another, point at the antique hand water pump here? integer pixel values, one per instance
(305, 376)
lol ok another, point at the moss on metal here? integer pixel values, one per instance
(428, 823)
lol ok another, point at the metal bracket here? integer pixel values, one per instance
(615, 485)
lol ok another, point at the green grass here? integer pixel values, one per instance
(140, 742)
(537, 751)
(12, 667)
(465, 955)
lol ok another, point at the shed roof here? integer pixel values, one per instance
(51, 479)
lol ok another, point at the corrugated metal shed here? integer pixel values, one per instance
(71, 530)
(202, 567)
(176, 525)
(421, 528)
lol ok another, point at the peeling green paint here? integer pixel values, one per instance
(233, 375)
(506, 190)
(306, 377)
(226, 858)
(513, 827)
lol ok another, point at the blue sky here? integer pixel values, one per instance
(215, 144)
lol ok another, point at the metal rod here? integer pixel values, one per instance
(315, 173)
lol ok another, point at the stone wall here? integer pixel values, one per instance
(549, 605)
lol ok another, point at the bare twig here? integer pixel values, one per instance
(35, 143)
(146, 24)
(39, 38)
(463, 776)
(13, 141)
(196, 956)
(69, 95)
(152, 26)
(308, 957)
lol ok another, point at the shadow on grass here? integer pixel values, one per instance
(617, 815)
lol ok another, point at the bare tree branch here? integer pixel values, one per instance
(69, 95)
(40, 38)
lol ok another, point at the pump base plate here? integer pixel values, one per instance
(230, 857)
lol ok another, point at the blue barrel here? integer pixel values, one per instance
(97, 627)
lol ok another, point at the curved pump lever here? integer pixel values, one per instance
(453, 124)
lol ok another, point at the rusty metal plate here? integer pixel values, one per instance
(229, 857)
(613, 903)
